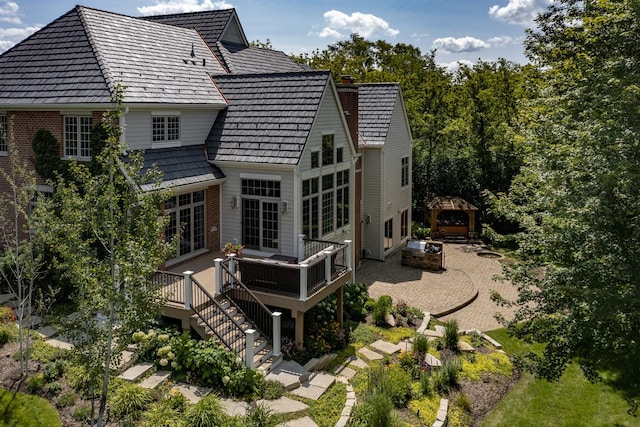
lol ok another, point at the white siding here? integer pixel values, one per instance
(373, 225)
(194, 127)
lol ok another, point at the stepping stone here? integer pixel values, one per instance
(358, 363)
(493, 342)
(234, 407)
(155, 379)
(191, 392)
(316, 386)
(386, 347)
(289, 373)
(370, 354)
(301, 422)
(34, 321)
(465, 346)
(441, 329)
(59, 343)
(136, 372)
(431, 360)
(127, 359)
(406, 345)
(433, 334)
(425, 322)
(283, 405)
(345, 372)
(46, 332)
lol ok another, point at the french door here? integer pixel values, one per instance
(260, 224)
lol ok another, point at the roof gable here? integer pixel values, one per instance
(55, 65)
(376, 103)
(269, 116)
(157, 63)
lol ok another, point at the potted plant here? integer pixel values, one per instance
(231, 248)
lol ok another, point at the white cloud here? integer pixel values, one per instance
(500, 41)
(458, 45)
(182, 6)
(11, 36)
(364, 24)
(9, 12)
(454, 66)
(521, 12)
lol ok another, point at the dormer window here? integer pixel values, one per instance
(77, 137)
(165, 128)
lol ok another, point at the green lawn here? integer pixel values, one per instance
(572, 401)
(20, 410)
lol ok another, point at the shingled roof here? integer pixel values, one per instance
(210, 24)
(241, 59)
(79, 58)
(376, 102)
(181, 166)
(269, 116)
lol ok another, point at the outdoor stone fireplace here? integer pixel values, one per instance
(424, 254)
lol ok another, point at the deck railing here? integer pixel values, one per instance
(302, 280)
(171, 284)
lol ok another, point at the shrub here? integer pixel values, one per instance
(356, 296)
(162, 414)
(381, 310)
(53, 370)
(260, 416)
(375, 411)
(425, 383)
(82, 413)
(451, 335)
(7, 315)
(447, 375)
(35, 383)
(421, 343)
(363, 334)
(8, 333)
(41, 351)
(80, 379)
(272, 390)
(52, 388)
(67, 399)
(420, 232)
(206, 413)
(128, 400)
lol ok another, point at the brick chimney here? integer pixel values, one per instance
(348, 93)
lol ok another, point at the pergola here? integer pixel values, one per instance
(459, 217)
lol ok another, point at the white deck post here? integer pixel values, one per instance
(250, 335)
(219, 276)
(347, 256)
(277, 324)
(232, 268)
(187, 289)
(327, 266)
(303, 281)
(300, 247)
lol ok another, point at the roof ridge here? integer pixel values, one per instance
(200, 12)
(106, 72)
(272, 74)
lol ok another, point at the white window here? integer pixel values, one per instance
(327, 150)
(165, 128)
(77, 136)
(405, 171)
(42, 191)
(311, 208)
(404, 224)
(342, 196)
(327, 204)
(4, 128)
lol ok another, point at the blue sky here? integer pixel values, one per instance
(460, 30)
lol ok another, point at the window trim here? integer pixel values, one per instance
(78, 125)
(176, 209)
(404, 224)
(388, 235)
(328, 159)
(166, 142)
(404, 179)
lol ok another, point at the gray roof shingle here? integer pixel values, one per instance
(181, 166)
(241, 59)
(376, 102)
(269, 116)
(80, 56)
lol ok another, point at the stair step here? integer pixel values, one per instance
(155, 379)
(135, 372)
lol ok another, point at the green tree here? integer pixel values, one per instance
(20, 261)
(108, 235)
(577, 196)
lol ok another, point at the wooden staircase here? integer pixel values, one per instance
(229, 329)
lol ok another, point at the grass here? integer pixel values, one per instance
(18, 409)
(572, 401)
(327, 409)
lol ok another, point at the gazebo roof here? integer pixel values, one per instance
(449, 204)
